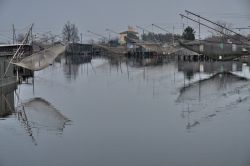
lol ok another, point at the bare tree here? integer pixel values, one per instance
(20, 37)
(223, 30)
(248, 36)
(70, 33)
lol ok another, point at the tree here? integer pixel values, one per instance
(131, 36)
(20, 37)
(168, 37)
(70, 33)
(223, 30)
(189, 33)
(114, 42)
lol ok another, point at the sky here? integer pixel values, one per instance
(98, 15)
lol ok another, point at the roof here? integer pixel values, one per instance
(13, 45)
(126, 32)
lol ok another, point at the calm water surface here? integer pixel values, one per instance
(116, 113)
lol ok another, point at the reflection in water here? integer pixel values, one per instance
(224, 87)
(40, 114)
(213, 85)
(22, 118)
(37, 115)
(187, 114)
(191, 68)
(72, 64)
(136, 115)
(6, 100)
(116, 63)
(139, 62)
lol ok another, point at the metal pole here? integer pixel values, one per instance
(161, 28)
(199, 30)
(214, 23)
(26, 36)
(173, 35)
(143, 35)
(213, 29)
(13, 31)
(109, 40)
(173, 40)
(96, 34)
(81, 38)
(31, 35)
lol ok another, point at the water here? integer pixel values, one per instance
(113, 113)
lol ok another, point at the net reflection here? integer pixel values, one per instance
(191, 68)
(72, 65)
(217, 84)
(206, 98)
(38, 115)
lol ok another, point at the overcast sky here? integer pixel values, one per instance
(97, 15)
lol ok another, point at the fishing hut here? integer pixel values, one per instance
(7, 51)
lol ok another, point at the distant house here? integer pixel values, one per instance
(129, 36)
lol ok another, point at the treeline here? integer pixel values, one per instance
(165, 38)
(229, 38)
